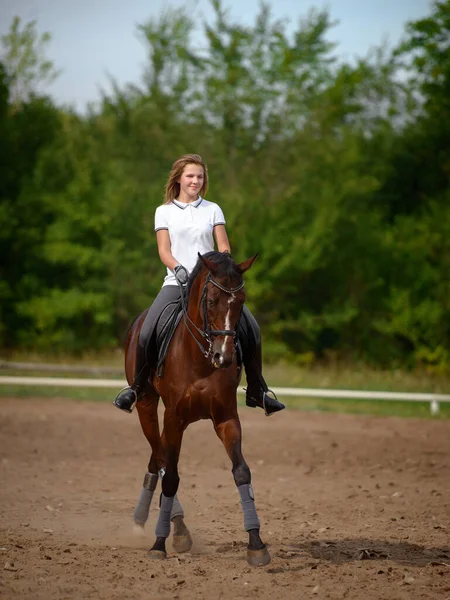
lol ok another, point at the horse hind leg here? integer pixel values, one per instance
(142, 508)
(147, 409)
(229, 432)
(173, 434)
(181, 540)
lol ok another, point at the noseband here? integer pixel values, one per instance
(207, 333)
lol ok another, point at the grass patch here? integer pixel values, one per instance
(357, 377)
(364, 407)
(280, 375)
(69, 393)
(358, 407)
(113, 358)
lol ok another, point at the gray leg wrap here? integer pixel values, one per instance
(142, 509)
(165, 510)
(177, 509)
(251, 520)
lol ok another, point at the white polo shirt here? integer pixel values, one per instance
(190, 226)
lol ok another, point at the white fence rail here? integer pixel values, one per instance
(433, 399)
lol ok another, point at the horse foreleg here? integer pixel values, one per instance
(173, 434)
(148, 415)
(229, 432)
(181, 540)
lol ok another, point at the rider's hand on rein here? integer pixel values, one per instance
(181, 274)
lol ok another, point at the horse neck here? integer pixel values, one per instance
(194, 308)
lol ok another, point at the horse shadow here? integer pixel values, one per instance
(351, 550)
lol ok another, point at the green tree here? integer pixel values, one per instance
(23, 217)
(416, 194)
(336, 174)
(23, 56)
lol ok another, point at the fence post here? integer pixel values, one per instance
(434, 407)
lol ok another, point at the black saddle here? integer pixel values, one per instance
(165, 328)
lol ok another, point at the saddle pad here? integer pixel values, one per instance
(165, 328)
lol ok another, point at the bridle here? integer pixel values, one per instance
(207, 333)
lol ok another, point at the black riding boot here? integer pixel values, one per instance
(257, 392)
(126, 399)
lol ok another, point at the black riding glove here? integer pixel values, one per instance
(181, 274)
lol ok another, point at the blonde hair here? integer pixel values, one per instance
(172, 189)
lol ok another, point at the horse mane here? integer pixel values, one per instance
(227, 267)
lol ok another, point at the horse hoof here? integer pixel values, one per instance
(157, 554)
(258, 558)
(138, 529)
(182, 543)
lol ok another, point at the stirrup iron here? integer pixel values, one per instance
(128, 407)
(269, 404)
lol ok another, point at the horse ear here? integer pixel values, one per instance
(245, 266)
(209, 264)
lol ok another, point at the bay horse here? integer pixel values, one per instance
(199, 381)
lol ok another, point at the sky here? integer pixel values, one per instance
(94, 38)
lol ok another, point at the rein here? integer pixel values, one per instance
(207, 333)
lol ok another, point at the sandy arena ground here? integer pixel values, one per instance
(350, 506)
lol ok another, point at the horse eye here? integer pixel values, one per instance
(210, 303)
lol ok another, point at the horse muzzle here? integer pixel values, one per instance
(222, 360)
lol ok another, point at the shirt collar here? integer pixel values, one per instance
(183, 205)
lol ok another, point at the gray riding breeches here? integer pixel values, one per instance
(167, 295)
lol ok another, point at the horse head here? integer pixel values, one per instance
(221, 297)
